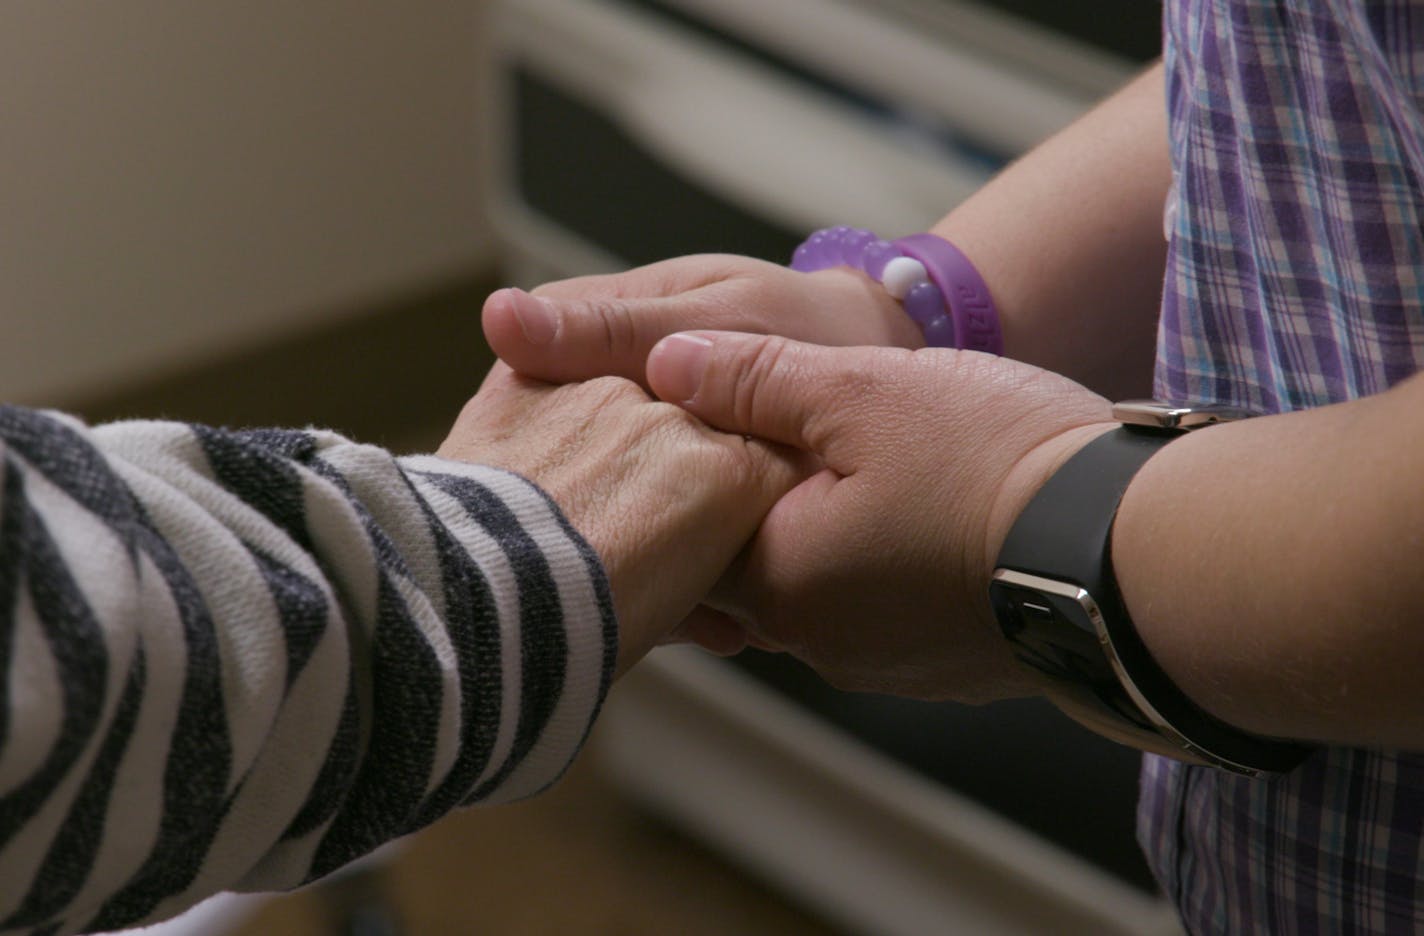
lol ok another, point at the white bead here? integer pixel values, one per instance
(902, 273)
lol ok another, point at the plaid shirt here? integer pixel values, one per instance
(1295, 278)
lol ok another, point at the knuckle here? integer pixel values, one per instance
(663, 422)
(672, 436)
(734, 462)
(674, 424)
(739, 462)
(614, 324)
(608, 392)
(753, 376)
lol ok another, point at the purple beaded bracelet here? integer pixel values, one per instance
(936, 283)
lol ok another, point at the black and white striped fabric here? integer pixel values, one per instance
(239, 660)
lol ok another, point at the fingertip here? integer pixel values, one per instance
(677, 364)
(500, 326)
(499, 306)
(538, 319)
(514, 319)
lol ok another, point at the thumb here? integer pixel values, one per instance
(762, 385)
(567, 339)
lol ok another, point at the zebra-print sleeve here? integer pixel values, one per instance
(238, 660)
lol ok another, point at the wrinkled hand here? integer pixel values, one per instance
(596, 325)
(875, 570)
(666, 501)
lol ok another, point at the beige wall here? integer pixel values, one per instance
(178, 179)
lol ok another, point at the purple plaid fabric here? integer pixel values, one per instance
(1295, 278)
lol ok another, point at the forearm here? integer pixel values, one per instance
(238, 660)
(1271, 567)
(1069, 239)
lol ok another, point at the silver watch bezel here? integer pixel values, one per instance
(1176, 417)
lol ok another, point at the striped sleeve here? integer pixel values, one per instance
(239, 660)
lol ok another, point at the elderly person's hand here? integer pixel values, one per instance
(595, 325)
(666, 501)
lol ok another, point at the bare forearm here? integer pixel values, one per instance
(1069, 239)
(1272, 568)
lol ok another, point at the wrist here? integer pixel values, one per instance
(881, 321)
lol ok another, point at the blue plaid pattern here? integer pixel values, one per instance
(1295, 278)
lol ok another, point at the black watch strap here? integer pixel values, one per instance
(1064, 535)
(1064, 531)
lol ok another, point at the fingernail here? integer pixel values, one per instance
(536, 319)
(683, 360)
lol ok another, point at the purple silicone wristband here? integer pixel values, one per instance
(923, 300)
(941, 291)
(976, 321)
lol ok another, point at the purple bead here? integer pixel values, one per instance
(822, 240)
(804, 259)
(939, 333)
(924, 303)
(812, 254)
(875, 255)
(853, 247)
(830, 246)
(836, 244)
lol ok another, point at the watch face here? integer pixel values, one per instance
(1050, 625)
(1058, 629)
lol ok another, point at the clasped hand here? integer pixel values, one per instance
(891, 475)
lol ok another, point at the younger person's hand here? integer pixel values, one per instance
(596, 325)
(875, 570)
